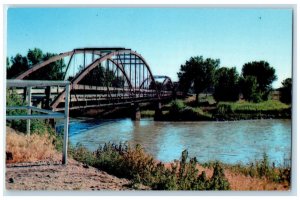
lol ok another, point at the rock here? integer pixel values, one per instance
(85, 166)
(9, 155)
(48, 176)
(11, 180)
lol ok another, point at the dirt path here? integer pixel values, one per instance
(54, 176)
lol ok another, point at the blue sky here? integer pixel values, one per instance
(166, 37)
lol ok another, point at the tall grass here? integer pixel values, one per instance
(132, 162)
(31, 148)
(249, 110)
(244, 106)
(262, 169)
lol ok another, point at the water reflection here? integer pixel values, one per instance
(230, 142)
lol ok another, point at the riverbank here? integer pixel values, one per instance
(34, 164)
(51, 175)
(209, 110)
(117, 167)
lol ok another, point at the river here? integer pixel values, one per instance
(230, 142)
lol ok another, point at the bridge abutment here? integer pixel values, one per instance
(158, 111)
(136, 112)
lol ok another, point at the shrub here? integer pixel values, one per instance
(176, 106)
(218, 180)
(179, 111)
(124, 161)
(286, 91)
(261, 169)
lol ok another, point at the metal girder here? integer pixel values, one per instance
(119, 56)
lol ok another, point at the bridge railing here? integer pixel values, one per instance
(46, 114)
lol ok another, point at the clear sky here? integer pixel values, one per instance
(166, 37)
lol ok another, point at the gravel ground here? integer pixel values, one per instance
(49, 175)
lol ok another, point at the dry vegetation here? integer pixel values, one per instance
(28, 148)
(241, 182)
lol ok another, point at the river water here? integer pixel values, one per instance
(230, 142)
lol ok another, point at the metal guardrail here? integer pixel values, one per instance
(46, 114)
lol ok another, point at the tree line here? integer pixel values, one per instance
(18, 64)
(200, 75)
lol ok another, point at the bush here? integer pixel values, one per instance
(133, 163)
(176, 106)
(179, 111)
(261, 169)
(286, 91)
(226, 86)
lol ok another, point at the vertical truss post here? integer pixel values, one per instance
(29, 110)
(84, 59)
(66, 127)
(143, 79)
(134, 75)
(129, 67)
(118, 81)
(106, 78)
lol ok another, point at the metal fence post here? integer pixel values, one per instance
(29, 110)
(66, 126)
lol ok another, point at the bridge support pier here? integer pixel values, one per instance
(136, 112)
(158, 111)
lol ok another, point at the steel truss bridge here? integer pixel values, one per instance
(102, 77)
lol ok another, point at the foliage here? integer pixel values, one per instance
(100, 76)
(18, 65)
(180, 111)
(176, 106)
(260, 169)
(218, 180)
(197, 74)
(264, 74)
(226, 86)
(38, 127)
(133, 163)
(34, 56)
(286, 91)
(147, 113)
(52, 71)
(249, 89)
(244, 106)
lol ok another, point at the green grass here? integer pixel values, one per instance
(147, 113)
(179, 111)
(241, 106)
(247, 110)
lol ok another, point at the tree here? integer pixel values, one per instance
(249, 89)
(198, 74)
(19, 64)
(53, 71)
(264, 74)
(286, 91)
(34, 56)
(227, 84)
(99, 76)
